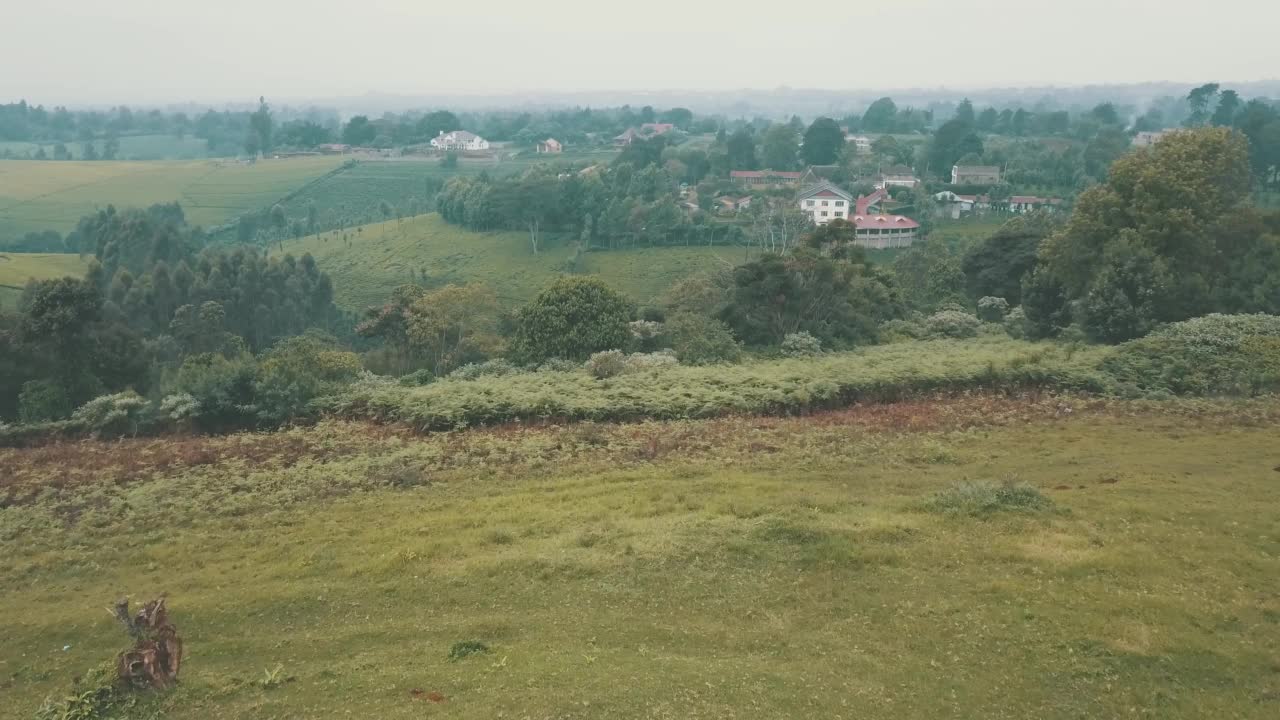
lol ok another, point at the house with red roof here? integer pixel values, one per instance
(550, 145)
(877, 230)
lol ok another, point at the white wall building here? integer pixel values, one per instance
(459, 140)
(825, 202)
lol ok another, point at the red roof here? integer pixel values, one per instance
(886, 222)
(866, 201)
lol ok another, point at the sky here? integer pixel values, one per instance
(78, 52)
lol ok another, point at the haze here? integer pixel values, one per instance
(86, 51)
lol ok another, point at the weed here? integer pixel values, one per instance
(982, 499)
(465, 648)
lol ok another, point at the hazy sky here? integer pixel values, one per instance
(106, 51)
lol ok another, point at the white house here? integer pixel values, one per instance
(896, 176)
(825, 202)
(1149, 138)
(459, 140)
(861, 143)
(954, 205)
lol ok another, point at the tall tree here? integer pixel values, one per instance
(1200, 100)
(741, 149)
(881, 116)
(823, 142)
(780, 145)
(260, 125)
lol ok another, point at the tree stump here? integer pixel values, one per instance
(156, 655)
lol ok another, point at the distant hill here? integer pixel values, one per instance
(380, 256)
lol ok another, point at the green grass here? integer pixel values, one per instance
(382, 255)
(17, 268)
(771, 568)
(46, 195)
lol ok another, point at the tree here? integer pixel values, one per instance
(741, 149)
(837, 301)
(434, 123)
(1228, 106)
(571, 319)
(110, 148)
(1200, 99)
(822, 142)
(279, 221)
(453, 326)
(1105, 148)
(953, 141)
(260, 125)
(1105, 114)
(964, 113)
(780, 145)
(90, 152)
(987, 120)
(680, 117)
(881, 116)
(359, 131)
(995, 267)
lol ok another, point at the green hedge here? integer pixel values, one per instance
(1210, 355)
(779, 387)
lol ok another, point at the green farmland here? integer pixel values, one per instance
(17, 268)
(46, 195)
(374, 259)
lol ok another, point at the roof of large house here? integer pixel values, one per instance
(884, 222)
(628, 134)
(657, 128)
(898, 170)
(784, 174)
(983, 169)
(866, 201)
(462, 135)
(824, 189)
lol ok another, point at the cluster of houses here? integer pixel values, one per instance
(647, 131)
(954, 205)
(873, 228)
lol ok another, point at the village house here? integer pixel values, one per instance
(728, 204)
(896, 176)
(975, 175)
(1149, 138)
(825, 202)
(1031, 203)
(861, 143)
(550, 145)
(459, 140)
(764, 178)
(877, 231)
(333, 148)
(652, 129)
(954, 205)
(629, 136)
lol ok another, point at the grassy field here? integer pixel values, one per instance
(132, 147)
(381, 256)
(17, 268)
(764, 568)
(46, 195)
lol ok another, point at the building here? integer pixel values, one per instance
(1149, 138)
(459, 140)
(975, 175)
(550, 145)
(825, 202)
(1031, 203)
(861, 143)
(652, 129)
(333, 148)
(627, 137)
(954, 205)
(728, 204)
(876, 230)
(896, 176)
(764, 178)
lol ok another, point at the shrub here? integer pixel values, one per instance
(462, 649)
(702, 340)
(952, 324)
(573, 318)
(298, 370)
(119, 414)
(645, 335)
(416, 378)
(180, 407)
(992, 309)
(42, 401)
(607, 364)
(1210, 355)
(1015, 323)
(900, 330)
(800, 344)
(489, 368)
(559, 365)
(640, 362)
(984, 498)
(222, 386)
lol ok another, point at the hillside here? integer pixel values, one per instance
(383, 255)
(841, 565)
(48, 195)
(17, 268)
